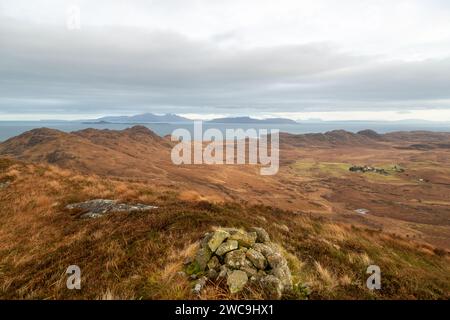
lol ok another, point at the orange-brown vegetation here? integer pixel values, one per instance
(309, 207)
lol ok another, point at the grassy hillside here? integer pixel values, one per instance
(140, 255)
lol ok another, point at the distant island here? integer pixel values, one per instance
(96, 122)
(253, 120)
(140, 118)
(174, 118)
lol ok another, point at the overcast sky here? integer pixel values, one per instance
(348, 59)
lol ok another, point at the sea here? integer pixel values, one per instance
(10, 129)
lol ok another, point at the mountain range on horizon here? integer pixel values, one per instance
(144, 117)
(253, 120)
(175, 118)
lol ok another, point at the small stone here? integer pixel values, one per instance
(245, 239)
(247, 262)
(235, 259)
(264, 249)
(237, 280)
(193, 276)
(262, 235)
(272, 286)
(227, 246)
(217, 238)
(202, 258)
(283, 273)
(282, 227)
(214, 263)
(249, 270)
(261, 274)
(200, 283)
(276, 260)
(206, 237)
(212, 274)
(263, 219)
(257, 258)
(223, 271)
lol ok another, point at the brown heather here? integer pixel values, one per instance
(139, 255)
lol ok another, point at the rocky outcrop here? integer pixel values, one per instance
(241, 257)
(100, 207)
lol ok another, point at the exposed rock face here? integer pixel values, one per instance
(241, 256)
(99, 207)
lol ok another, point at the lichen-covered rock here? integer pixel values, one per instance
(261, 235)
(245, 239)
(235, 259)
(283, 273)
(214, 263)
(249, 270)
(231, 230)
(257, 258)
(237, 280)
(217, 238)
(206, 237)
(272, 286)
(227, 246)
(223, 271)
(202, 258)
(275, 260)
(264, 249)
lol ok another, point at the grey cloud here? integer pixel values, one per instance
(50, 69)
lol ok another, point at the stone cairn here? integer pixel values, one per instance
(241, 257)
